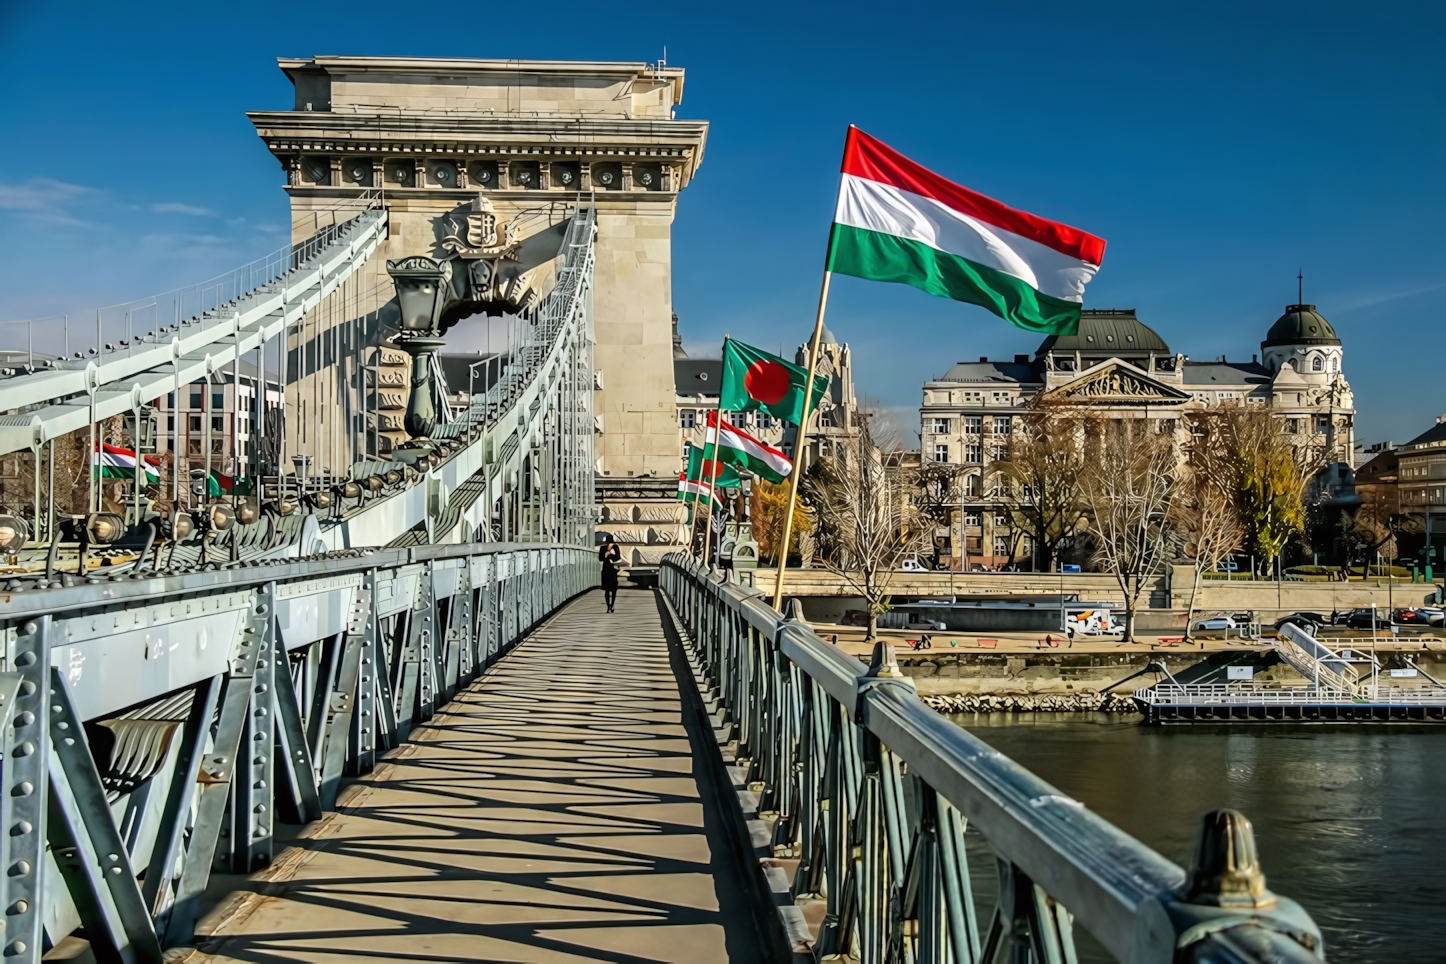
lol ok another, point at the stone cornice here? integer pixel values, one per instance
(598, 199)
(476, 126)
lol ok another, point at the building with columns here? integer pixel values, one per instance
(1120, 367)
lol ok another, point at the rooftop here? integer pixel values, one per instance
(1111, 331)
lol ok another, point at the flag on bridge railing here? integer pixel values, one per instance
(693, 490)
(736, 447)
(703, 465)
(754, 379)
(115, 462)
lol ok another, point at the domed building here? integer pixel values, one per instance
(1119, 367)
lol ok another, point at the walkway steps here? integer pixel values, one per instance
(558, 810)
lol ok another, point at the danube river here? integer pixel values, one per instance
(1349, 820)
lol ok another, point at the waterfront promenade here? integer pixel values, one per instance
(560, 809)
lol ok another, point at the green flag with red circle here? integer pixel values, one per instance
(754, 380)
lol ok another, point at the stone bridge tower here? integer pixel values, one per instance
(525, 141)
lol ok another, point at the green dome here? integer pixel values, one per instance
(1300, 325)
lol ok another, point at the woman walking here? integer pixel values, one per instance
(611, 558)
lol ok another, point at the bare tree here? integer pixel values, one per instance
(1045, 465)
(867, 521)
(1128, 481)
(937, 494)
(1203, 513)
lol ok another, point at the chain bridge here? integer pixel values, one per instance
(314, 668)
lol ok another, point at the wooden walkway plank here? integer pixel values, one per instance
(554, 812)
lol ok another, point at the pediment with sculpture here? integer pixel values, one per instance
(1117, 383)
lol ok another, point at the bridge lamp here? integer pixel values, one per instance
(103, 528)
(13, 533)
(220, 517)
(177, 526)
(246, 513)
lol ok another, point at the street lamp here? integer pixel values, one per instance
(422, 288)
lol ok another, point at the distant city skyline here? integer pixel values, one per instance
(1219, 150)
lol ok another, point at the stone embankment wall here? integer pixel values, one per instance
(826, 595)
(1084, 702)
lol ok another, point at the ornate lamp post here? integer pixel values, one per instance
(422, 288)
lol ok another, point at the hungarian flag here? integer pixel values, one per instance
(899, 221)
(692, 490)
(705, 467)
(754, 379)
(118, 463)
(737, 447)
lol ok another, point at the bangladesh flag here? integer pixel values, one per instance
(702, 465)
(755, 380)
(218, 485)
(115, 462)
(737, 447)
(897, 220)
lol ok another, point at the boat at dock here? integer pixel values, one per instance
(1341, 686)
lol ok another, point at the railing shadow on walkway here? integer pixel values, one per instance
(561, 808)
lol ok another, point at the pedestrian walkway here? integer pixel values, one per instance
(557, 810)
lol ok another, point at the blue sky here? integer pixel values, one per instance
(1219, 147)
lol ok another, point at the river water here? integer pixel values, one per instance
(1350, 820)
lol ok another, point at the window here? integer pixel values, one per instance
(825, 419)
(218, 423)
(971, 487)
(972, 454)
(1165, 426)
(1322, 424)
(941, 453)
(1003, 424)
(195, 423)
(218, 400)
(170, 423)
(196, 399)
(971, 518)
(1001, 546)
(1002, 488)
(1317, 364)
(1001, 519)
(1001, 398)
(941, 426)
(739, 419)
(765, 420)
(1335, 364)
(998, 451)
(973, 424)
(688, 417)
(171, 400)
(1292, 426)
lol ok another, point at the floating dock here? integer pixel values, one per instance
(1341, 687)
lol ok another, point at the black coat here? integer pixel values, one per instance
(611, 558)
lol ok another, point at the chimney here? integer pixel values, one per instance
(983, 359)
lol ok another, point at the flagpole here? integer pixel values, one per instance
(688, 477)
(710, 468)
(799, 439)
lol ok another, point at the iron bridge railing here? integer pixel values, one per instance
(871, 792)
(154, 729)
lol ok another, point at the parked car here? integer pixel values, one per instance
(912, 564)
(923, 625)
(1361, 619)
(1420, 616)
(1309, 622)
(1215, 623)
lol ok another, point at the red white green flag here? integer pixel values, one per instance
(898, 221)
(736, 447)
(115, 462)
(694, 490)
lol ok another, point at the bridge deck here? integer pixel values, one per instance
(557, 810)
